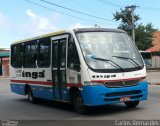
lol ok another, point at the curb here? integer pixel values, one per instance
(154, 83)
(149, 71)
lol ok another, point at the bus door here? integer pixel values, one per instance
(59, 67)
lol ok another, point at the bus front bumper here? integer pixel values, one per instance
(101, 95)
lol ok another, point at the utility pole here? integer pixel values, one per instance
(132, 7)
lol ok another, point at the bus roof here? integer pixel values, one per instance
(76, 30)
(41, 36)
(97, 30)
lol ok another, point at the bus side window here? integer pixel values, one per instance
(44, 53)
(30, 55)
(73, 58)
(16, 55)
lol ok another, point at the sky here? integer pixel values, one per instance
(21, 19)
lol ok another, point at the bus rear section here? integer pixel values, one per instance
(85, 67)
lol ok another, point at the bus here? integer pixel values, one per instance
(147, 57)
(83, 66)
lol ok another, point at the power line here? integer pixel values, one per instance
(115, 5)
(150, 8)
(83, 6)
(76, 11)
(109, 3)
(63, 12)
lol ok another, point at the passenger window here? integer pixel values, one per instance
(63, 52)
(73, 58)
(44, 53)
(30, 55)
(16, 55)
(55, 53)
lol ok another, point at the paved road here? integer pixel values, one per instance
(153, 77)
(16, 107)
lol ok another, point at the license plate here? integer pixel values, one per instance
(123, 99)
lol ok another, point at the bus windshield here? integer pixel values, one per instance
(109, 51)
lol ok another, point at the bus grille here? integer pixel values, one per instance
(115, 96)
(122, 83)
(135, 92)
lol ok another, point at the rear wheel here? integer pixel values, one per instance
(31, 98)
(78, 104)
(131, 104)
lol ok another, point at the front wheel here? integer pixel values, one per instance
(131, 104)
(78, 104)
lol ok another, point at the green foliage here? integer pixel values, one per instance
(143, 33)
(144, 36)
(126, 19)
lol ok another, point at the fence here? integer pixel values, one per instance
(155, 63)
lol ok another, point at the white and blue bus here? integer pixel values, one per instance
(83, 66)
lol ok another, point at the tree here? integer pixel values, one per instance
(126, 20)
(143, 34)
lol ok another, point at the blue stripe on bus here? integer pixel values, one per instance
(96, 95)
(41, 91)
(18, 88)
(92, 95)
(64, 96)
(38, 91)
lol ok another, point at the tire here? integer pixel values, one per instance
(79, 105)
(132, 104)
(30, 96)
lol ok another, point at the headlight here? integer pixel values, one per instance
(143, 79)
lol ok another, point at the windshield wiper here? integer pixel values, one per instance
(101, 59)
(120, 57)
